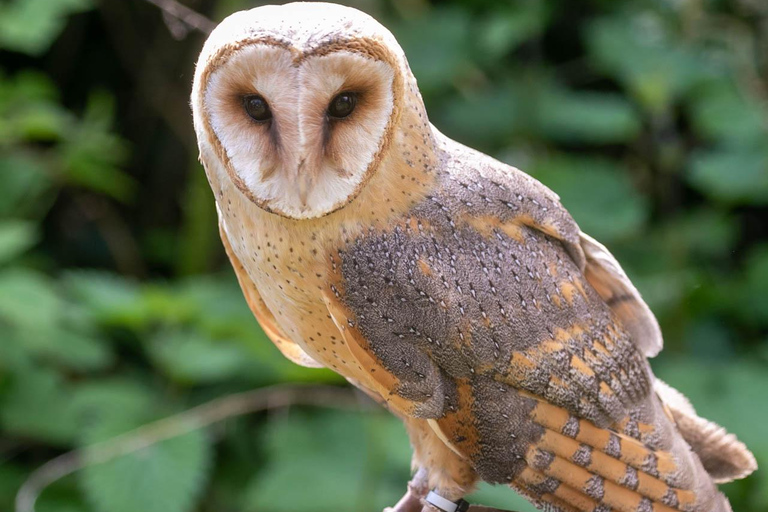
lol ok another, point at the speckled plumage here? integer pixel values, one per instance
(449, 286)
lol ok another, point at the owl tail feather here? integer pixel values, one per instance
(723, 456)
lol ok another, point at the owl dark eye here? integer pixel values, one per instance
(342, 105)
(257, 107)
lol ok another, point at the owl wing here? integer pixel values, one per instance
(606, 276)
(266, 319)
(506, 330)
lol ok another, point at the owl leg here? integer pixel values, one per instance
(448, 474)
(418, 488)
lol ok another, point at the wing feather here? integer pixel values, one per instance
(609, 280)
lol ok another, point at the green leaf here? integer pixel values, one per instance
(725, 393)
(746, 296)
(29, 110)
(198, 242)
(388, 442)
(110, 299)
(16, 237)
(351, 477)
(710, 339)
(31, 26)
(665, 290)
(500, 496)
(41, 122)
(638, 50)
(37, 405)
(23, 182)
(47, 505)
(62, 496)
(705, 232)
(43, 325)
(723, 112)
(226, 311)
(165, 477)
(93, 155)
(114, 405)
(12, 475)
(737, 176)
(592, 118)
(29, 86)
(189, 357)
(502, 32)
(13, 358)
(437, 64)
(29, 300)
(73, 350)
(597, 193)
(487, 117)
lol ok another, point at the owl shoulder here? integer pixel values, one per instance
(477, 190)
(497, 199)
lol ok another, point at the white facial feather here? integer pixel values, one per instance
(256, 68)
(302, 163)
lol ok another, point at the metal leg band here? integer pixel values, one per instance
(445, 505)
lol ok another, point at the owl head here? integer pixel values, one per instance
(299, 104)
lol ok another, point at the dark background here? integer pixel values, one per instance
(118, 307)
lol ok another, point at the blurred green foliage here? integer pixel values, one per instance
(117, 307)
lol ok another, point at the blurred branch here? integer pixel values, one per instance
(145, 64)
(178, 16)
(273, 397)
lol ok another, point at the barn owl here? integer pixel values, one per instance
(454, 289)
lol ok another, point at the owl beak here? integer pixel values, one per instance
(304, 181)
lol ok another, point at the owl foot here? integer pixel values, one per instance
(418, 488)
